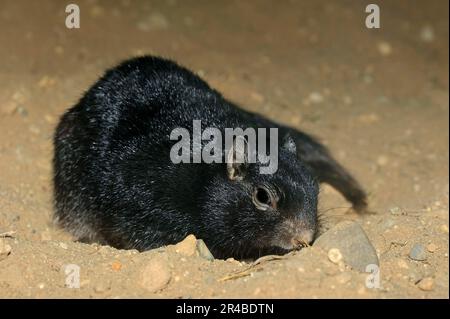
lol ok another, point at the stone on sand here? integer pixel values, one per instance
(156, 274)
(187, 246)
(191, 246)
(418, 252)
(203, 250)
(352, 243)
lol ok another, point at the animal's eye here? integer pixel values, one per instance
(263, 199)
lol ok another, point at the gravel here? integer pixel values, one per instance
(426, 284)
(418, 252)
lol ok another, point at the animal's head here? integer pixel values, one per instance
(248, 213)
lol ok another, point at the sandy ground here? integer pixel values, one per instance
(377, 98)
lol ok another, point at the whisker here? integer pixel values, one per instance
(332, 208)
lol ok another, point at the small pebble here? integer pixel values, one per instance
(203, 250)
(187, 246)
(418, 252)
(22, 111)
(155, 275)
(155, 21)
(402, 264)
(395, 211)
(201, 73)
(63, 245)
(116, 266)
(315, 97)
(382, 160)
(234, 261)
(334, 255)
(432, 248)
(426, 284)
(427, 34)
(384, 48)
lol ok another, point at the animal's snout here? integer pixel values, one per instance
(294, 234)
(302, 239)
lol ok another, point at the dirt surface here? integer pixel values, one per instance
(377, 97)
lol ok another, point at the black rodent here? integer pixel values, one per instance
(114, 182)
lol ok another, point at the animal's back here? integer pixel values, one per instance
(125, 117)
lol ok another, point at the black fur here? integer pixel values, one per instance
(114, 181)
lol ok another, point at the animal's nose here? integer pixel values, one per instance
(303, 238)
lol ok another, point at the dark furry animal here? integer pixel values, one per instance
(114, 182)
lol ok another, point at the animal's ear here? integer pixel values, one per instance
(289, 144)
(237, 159)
